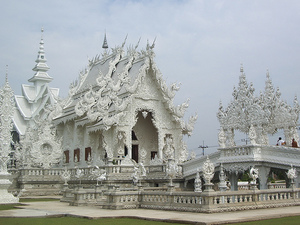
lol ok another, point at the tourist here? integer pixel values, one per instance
(280, 142)
(294, 143)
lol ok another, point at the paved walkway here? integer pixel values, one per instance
(56, 208)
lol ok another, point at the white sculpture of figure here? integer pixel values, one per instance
(121, 142)
(208, 173)
(66, 176)
(168, 148)
(135, 176)
(198, 183)
(222, 138)
(292, 174)
(252, 135)
(142, 169)
(222, 178)
(171, 170)
(79, 174)
(98, 174)
(253, 174)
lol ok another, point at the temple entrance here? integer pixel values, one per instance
(144, 138)
(135, 153)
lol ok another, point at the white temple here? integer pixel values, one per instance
(116, 141)
(121, 106)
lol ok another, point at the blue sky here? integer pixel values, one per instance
(198, 43)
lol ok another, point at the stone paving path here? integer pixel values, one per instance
(56, 208)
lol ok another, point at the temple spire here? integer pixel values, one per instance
(105, 45)
(6, 75)
(41, 76)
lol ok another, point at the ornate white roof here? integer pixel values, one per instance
(36, 98)
(107, 86)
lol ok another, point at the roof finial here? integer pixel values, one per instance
(105, 45)
(242, 68)
(42, 30)
(153, 44)
(6, 74)
(124, 41)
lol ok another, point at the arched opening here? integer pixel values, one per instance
(144, 138)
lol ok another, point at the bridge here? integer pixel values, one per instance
(238, 159)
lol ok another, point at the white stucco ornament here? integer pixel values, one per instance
(197, 183)
(292, 173)
(208, 171)
(6, 124)
(66, 175)
(98, 174)
(253, 174)
(46, 151)
(257, 116)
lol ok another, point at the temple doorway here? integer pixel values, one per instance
(135, 153)
(144, 138)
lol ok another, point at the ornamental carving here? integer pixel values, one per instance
(39, 147)
(6, 114)
(257, 116)
(208, 171)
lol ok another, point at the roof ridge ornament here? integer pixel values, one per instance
(242, 68)
(41, 66)
(6, 75)
(124, 40)
(105, 45)
(137, 45)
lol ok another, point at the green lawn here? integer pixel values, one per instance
(78, 221)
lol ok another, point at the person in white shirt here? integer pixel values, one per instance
(280, 142)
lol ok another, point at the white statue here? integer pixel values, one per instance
(198, 183)
(253, 174)
(292, 173)
(98, 174)
(208, 171)
(171, 170)
(79, 174)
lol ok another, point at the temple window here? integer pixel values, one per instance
(76, 155)
(67, 156)
(88, 154)
(153, 154)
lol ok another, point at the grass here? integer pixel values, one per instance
(38, 199)
(294, 220)
(78, 221)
